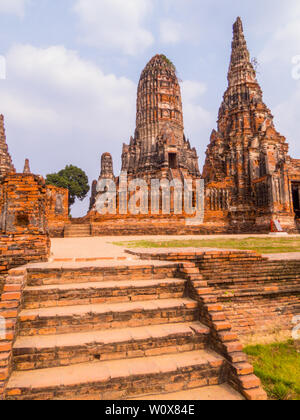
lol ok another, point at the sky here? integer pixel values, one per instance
(72, 69)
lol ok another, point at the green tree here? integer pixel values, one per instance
(72, 178)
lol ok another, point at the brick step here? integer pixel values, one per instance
(259, 277)
(253, 269)
(102, 292)
(272, 291)
(77, 231)
(40, 352)
(120, 379)
(86, 272)
(76, 228)
(263, 307)
(250, 288)
(81, 226)
(253, 266)
(207, 393)
(80, 318)
(234, 285)
(269, 294)
(77, 235)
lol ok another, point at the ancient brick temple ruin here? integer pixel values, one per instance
(23, 225)
(250, 180)
(25, 210)
(159, 149)
(165, 321)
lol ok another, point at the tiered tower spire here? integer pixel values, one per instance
(6, 165)
(241, 69)
(246, 145)
(159, 125)
(158, 102)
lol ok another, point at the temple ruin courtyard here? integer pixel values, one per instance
(156, 290)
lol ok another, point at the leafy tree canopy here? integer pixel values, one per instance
(72, 178)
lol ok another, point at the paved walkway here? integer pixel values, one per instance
(285, 256)
(102, 248)
(87, 248)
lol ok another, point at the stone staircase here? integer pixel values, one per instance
(260, 296)
(106, 332)
(77, 231)
(260, 299)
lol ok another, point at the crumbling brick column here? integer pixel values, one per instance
(23, 223)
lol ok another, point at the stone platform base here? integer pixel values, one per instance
(278, 234)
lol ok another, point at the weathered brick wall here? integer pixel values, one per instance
(23, 225)
(152, 225)
(23, 205)
(18, 250)
(260, 297)
(215, 222)
(57, 210)
(222, 338)
(263, 318)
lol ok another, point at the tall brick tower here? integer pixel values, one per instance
(246, 154)
(159, 147)
(6, 165)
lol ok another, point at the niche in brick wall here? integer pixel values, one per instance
(22, 220)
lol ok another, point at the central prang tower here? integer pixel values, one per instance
(159, 146)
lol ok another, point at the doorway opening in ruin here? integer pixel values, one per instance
(173, 161)
(296, 199)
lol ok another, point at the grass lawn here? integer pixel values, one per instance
(278, 367)
(262, 245)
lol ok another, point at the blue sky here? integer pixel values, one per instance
(73, 68)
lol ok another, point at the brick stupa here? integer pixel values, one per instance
(159, 148)
(247, 164)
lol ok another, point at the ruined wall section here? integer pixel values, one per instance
(57, 210)
(24, 234)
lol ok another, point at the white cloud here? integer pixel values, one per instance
(191, 90)
(61, 109)
(283, 42)
(171, 32)
(115, 24)
(197, 120)
(15, 7)
(279, 56)
(63, 88)
(287, 119)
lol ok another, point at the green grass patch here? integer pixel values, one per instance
(262, 245)
(278, 367)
